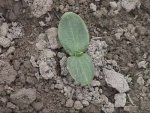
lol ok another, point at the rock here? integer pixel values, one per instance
(108, 108)
(120, 100)
(37, 106)
(129, 5)
(85, 103)
(93, 7)
(59, 86)
(10, 105)
(69, 103)
(71, 2)
(33, 62)
(41, 7)
(52, 37)
(16, 65)
(4, 29)
(116, 80)
(7, 73)
(47, 53)
(95, 83)
(3, 100)
(140, 81)
(45, 70)
(131, 109)
(23, 96)
(142, 64)
(78, 105)
(5, 42)
(41, 44)
(141, 30)
(113, 5)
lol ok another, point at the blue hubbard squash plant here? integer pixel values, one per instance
(74, 38)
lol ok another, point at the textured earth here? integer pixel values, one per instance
(33, 73)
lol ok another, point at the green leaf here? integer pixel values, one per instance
(81, 68)
(73, 34)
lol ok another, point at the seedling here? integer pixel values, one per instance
(74, 37)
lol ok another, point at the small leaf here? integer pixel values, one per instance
(73, 34)
(81, 68)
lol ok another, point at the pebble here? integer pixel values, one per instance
(129, 5)
(78, 105)
(16, 65)
(69, 103)
(37, 106)
(52, 38)
(116, 80)
(10, 105)
(108, 108)
(142, 64)
(95, 83)
(71, 2)
(5, 42)
(120, 100)
(18, 97)
(113, 5)
(93, 7)
(85, 103)
(131, 109)
(7, 73)
(41, 44)
(41, 7)
(140, 81)
(4, 29)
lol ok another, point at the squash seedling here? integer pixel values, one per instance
(74, 38)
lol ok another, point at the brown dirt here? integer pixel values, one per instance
(119, 50)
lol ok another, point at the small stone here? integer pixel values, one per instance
(95, 83)
(11, 105)
(113, 5)
(93, 7)
(131, 109)
(78, 105)
(59, 86)
(140, 81)
(108, 108)
(69, 103)
(23, 96)
(85, 103)
(142, 64)
(116, 80)
(4, 29)
(129, 5)
(7, 73)
(16, 65)
(71, 2)
(37, 106)
(5, 42)
(33, 62)
(41, 44)
(3, 100)
(120, 100)
(118, 35)
(41, 7)
(52, 37)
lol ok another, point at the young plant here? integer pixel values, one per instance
(74, 37)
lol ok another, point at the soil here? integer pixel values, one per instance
(127, 52)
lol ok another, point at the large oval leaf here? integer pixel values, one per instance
(73, 34)
(81, 68)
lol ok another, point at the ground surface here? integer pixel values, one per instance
(23, 92)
